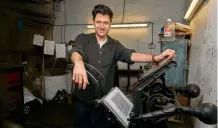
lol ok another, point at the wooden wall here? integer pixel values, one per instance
(19, 21)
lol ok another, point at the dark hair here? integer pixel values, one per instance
(102, 9)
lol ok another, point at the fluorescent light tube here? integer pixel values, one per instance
(124, 26)
(193, 8)
(183, 25)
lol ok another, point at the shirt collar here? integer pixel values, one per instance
(109, 40)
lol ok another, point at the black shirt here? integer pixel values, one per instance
(103, 59)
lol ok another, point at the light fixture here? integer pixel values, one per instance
(193, 8)
(183, 26)
(124, 25)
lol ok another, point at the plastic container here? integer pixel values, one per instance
(169, 30)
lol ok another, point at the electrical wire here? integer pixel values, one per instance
(53, 67)
(167, 124)
(25, 70)
(62, 34)
(124, 6)
(72, 25)
(53, 17)
(63, 39)
(152, 35)
(65, 20)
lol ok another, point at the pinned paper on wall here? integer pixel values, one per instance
(49, 47)
(38, 40)
(60, 51)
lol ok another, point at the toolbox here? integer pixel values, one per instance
(12, 99)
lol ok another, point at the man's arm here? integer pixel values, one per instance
(77, 52)
(130, 56)
(77, 57)
(124, 54)
(142, 57)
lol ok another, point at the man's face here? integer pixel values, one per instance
(102, 24)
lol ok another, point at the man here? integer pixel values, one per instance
(101, 51)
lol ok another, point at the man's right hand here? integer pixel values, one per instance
(80, 77)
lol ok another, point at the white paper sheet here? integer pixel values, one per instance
(60, 51)
(119, 105)
(38, 40)
(49, 47)
(28, 96)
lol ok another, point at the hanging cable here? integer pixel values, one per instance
(63, 39)
(53, 67)
(152, 36)
(61, 33)
(151, 45)
(65, 20)
(152, 32)
(25, 70)
(60, 41)
(124, 6)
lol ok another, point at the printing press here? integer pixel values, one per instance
(153, 102)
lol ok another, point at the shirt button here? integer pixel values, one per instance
(100, 52)
(99, 62)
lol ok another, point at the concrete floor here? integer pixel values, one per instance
(52, 115)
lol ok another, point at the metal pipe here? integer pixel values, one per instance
(149, 22)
